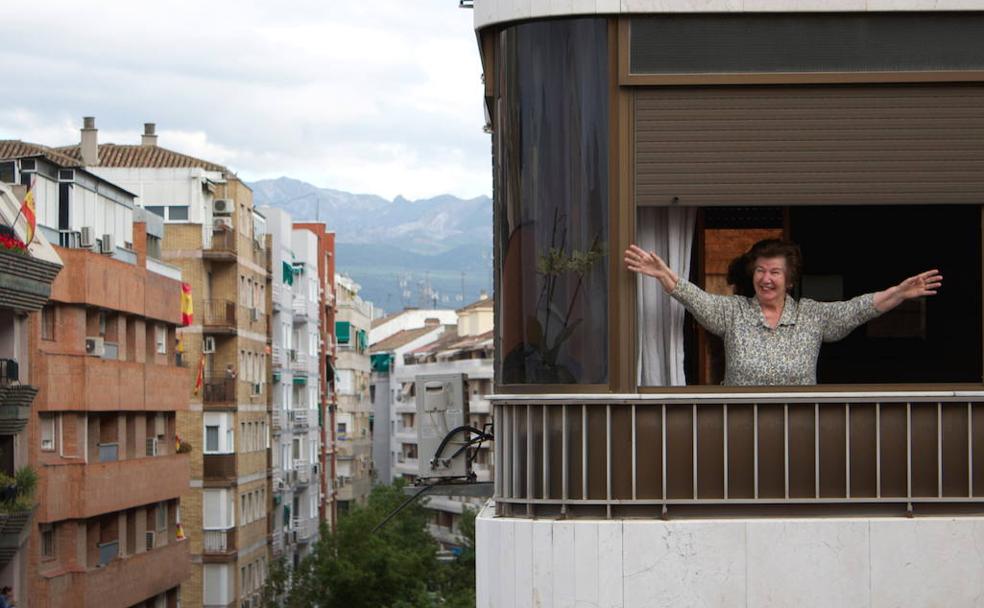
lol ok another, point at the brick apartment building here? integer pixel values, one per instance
(102, 434)
(212, 233)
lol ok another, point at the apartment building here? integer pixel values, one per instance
(688, 134)
(391, 338)
(25, 285)
(353, 428)
(326, 418)
(213, 234)
(103, 430)
(465, 348)
(297, 387)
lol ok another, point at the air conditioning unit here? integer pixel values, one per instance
(254, 314)
(106, 244)
(88, 237)
(152, 446)
(95, 346)
(223, 206)
(151, 539)
(222, 223)
(208, 345)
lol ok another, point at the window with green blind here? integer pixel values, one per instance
(343, 330)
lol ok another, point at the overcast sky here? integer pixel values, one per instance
(380, 97)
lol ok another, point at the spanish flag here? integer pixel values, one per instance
(187, 311)
(200, 377)
(27, 210)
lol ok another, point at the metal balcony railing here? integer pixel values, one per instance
(277, 419)
(734, 454)
(302, 472)
(300, 418)
(305, 528)
(219, 314)
(219, 541)
(9, 372)
(218, 388)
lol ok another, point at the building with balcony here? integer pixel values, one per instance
(626, 475)
(353, 414)
(326, 366)
(386, 356)
(465, 348)
(102, 434)
(214, 235)
(25, 285)
(298, 404)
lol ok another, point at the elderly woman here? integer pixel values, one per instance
(769, 337)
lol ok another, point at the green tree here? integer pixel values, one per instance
(393, 567)
(457, 577)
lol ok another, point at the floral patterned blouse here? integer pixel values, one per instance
(756, 354)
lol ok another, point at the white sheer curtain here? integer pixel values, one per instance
(669, 231)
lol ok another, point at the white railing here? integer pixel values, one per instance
(302, 469)
(216, 541)
(300, 418)
(305, 528)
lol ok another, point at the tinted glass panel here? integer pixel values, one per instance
(551, 193)
(178, 213)
(688, 44)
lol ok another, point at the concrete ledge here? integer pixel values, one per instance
(490, 12)
(844, 562)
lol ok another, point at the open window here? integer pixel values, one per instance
(847, 251)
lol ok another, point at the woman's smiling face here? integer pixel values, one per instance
(769, 279)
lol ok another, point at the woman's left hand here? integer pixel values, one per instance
(923, 284)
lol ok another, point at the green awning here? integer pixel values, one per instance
(288, 273)
(276, 376)
(343, 331)
(381, 362)
(362, 340)
(300, 380)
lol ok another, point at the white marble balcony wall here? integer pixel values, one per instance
(752, 563)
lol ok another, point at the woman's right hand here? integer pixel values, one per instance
(648, 263)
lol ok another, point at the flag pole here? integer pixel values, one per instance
(21, 209)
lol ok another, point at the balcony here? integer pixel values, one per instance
(302, 473)
(219, 317)
(219, 467)
(129, 580)
(14, 532)
(80, 382)
(15, 399)
(79, 491)
(277, 420)
(25, 281)
(222, 246)
(740, 453)
(219, 389)
(300, 419)
(219, 545)
(305, 529)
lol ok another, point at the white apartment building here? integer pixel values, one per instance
(353, 427)
(465, 348)
(390, 339)
(296, 352)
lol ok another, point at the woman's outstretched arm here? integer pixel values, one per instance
(923, 284)
(644, 262)
(713, 312)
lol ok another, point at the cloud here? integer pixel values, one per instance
(382, 97)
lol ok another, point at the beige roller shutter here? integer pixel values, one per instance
(809, 145)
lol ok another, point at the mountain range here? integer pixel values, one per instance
(434, 252)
